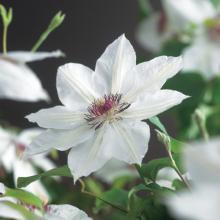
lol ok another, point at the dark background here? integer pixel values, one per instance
(90, 25)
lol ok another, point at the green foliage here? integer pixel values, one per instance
(118, 197)
(59, 171)
(25, 197)
(150, 169)
(20, 209)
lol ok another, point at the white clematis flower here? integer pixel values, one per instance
(102, 110)
(202, 161)
(12, 147)
(176, 17)
(50, 212)
(17, 81)
(204, 50)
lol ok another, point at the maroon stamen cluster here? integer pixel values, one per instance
(105, 109)
(20, 148)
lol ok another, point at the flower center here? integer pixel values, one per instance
(104, 109)
(20, 148)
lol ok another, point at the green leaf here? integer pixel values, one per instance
(60, 171)
(25, 197)
(175, 146)
(21, 209)
(115, 196)
(151, 169)
(156, 121)
(178, 184)
(173, 47)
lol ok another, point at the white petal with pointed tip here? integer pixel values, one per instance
(74, 86)
(59, 139)
(59, 117)
(18, 82)
(111, 68)
(150, 76)
(88, 156)
(151, 105)
(26, 56)
(127, 142)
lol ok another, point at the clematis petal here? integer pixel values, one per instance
(148, 34)
(18, 82)
(182, 13)
(115, 169)
(59, 139)
(150, 76)
(201, 57)
(74, 86)
(65, 212)
(127, 142)
(153, 104)
(26, 56)
(5, 142)
(200, 204)
(111, 67)
(27, 135)
(88, 156)
(202, 161)
(43, 162)
(58, 117)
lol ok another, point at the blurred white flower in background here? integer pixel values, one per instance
(175, 18)
(12, 147)
(50, 212)
(202, 160)
(102, 110)
(17, 81)
(178, 18)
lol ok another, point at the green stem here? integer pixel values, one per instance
(201, 123)
(4, 42)
(42, 38)
(175, 167)
(138, 168)
(100, 198)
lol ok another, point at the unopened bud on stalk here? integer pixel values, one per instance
(56, 21)
(6, 16)
(163, 138)
(200, 119)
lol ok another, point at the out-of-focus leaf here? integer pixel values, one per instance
(60, 171)
(173, 48)
(114, 196)
(144, 8)
(191, 84)
(175, 146)
(93, 186)
(156, 121)
(178, 185)
(150, 169)
(25, 197)
(19, 208)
